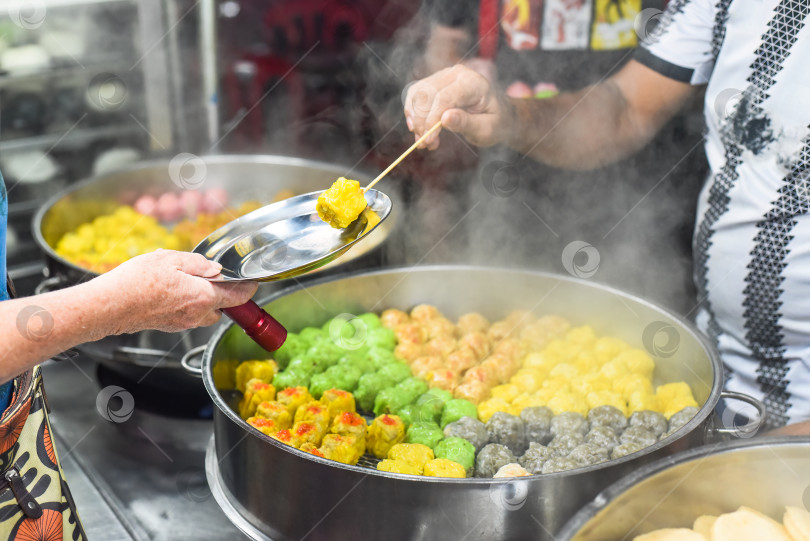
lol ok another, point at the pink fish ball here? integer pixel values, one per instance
(215, 200)
(192, 202)
(146, 204)
(519, 89)
(168, 208)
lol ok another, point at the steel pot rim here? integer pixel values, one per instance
(700, 417)
(616, 489)
(50, 251)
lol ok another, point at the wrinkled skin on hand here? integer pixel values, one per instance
(466, 103)
(167, 291)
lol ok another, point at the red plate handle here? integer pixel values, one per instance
(258, 324)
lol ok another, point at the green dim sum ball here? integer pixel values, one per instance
(371, 320)
(457, 408)
(390, 400)
(310, 335)
(396, 371)
(425, 433)
(381, 338)
(414, 387)
(345, 377)
(303, 365)
(325, 354)
(380, 357)
(290, 379)
(319, 383)
(363, 364)
(409, 414)
(368, 387)
(458, 450)
(429, 407)
(292, 347)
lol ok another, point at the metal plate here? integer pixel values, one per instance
(287, 239)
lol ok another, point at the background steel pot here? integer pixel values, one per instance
(244, 178)
(765, 474)
(282, 493)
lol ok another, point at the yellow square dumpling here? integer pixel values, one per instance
(342, 203)
(261, 370)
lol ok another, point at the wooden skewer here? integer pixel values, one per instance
(404, 155)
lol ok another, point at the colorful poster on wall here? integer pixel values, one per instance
(613, 24)
(520, 21)
(566, 24)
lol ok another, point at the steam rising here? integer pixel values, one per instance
(495, 207)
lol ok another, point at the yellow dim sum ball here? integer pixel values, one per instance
(488, 408)
(527, 380)
(586, 362)
(606, 348)
(556, 349)
(568, 402)
(557, 385)
(564, 371)
(581, 335)
(640, 401)
(607, 398)
(395, 466)
(507, 391)
(542, 360)
(671, 391)
(630, 383)
(589, 383)
(637, 362)
(613, 370)
(442, 467)
(525, 401)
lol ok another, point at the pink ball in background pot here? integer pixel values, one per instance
(519, 89)
(191, 201)
(146, 204)
(215, 200)
(168, 208)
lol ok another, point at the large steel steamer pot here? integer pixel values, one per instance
(272, 490)
(244, 178)
(766, 474)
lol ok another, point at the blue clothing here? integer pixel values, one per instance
(6, 388)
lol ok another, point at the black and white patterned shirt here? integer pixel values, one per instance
(752, 238)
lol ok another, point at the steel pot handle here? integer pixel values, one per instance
(50, 284)
(747, 430)
(193, 369)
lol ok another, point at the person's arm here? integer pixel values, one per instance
(163, 290)
(577, 130)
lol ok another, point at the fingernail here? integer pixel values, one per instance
(409, 122)
(216, 265)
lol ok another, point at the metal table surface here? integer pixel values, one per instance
(139, 476)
